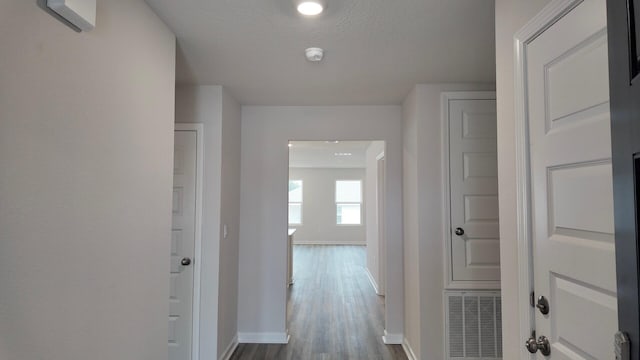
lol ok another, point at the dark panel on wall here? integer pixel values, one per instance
(624, 42)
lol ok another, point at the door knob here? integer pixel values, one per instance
(531, 345)
(459, 231)
(542, 345)
(543, 305)
(185, 261)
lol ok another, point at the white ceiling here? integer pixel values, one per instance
(322, 154)
(376, 50)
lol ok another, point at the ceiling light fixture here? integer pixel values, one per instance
(310, 7)
(342, 154)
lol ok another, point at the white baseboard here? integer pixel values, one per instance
(372, 280)
(392, 339)
(226, 355)
(408, 350)
(264, 338)
(320, 242)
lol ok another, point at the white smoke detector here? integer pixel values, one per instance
(314, 54)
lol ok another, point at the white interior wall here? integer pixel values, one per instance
(86, 149)
(423, 209)
(371, 194)
(412, 309)
(263, 226)
(220, 114)
(319, 207)
(511, 15)
(229, 216)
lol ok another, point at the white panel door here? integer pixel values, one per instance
(182, 246)
(571, 181)
(473, 174)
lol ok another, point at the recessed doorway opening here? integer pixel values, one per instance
(336, 270)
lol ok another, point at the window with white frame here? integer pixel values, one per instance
(295, 202)
(348, 202)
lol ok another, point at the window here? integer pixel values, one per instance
(295, 202)
(348, 202)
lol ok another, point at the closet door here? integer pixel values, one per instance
(473, 179)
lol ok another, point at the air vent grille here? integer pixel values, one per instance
(474, 325)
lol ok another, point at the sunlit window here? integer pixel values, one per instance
(295, 202)
(348, 202)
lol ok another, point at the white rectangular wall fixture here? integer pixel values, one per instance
(80, 13)
(473, 325)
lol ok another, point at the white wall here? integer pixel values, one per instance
(371, 195)
(229, 216)
(263, 226)
(319, 207)
(220, 114)
(423, 209)
(511, 15)
(410, 119)
(86, 149)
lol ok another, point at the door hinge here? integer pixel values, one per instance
(622, 346)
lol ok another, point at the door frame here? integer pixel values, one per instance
(451, 284)
(197, 257)
(546, 18)
(380, 214)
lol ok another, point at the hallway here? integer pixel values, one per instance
(333, 310)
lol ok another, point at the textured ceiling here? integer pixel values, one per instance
(321, 154)
(376, 50)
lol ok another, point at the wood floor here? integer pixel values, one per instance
(334, 313)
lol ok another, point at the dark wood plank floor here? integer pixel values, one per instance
(334, 313)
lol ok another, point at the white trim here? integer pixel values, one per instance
(549, 15)
(408, 350)
(372, 280)
(392, 339)
(228, 352)
(381, 178)
(197, 259)
(446, 97)
(264, 338)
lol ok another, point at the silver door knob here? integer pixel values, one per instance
(185, 261)
(542, 345)
(459, 231)
(531, 345)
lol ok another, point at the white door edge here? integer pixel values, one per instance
(548, 16)
(446, 97)
(382, 243)
(195, 339)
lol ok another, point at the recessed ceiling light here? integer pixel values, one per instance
(332, 141)
(342, 154)
(310, 8)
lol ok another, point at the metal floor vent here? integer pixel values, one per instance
(473, 325)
